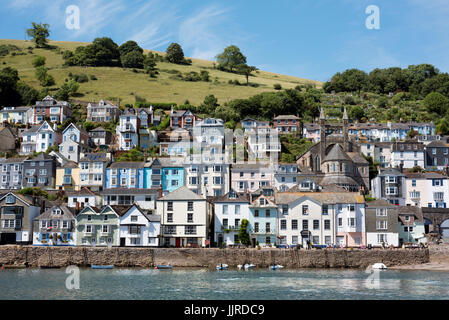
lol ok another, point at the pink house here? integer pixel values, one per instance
(250, 177)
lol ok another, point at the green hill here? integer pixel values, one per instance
(118, 83)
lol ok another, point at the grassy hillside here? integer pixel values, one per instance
(114, 83)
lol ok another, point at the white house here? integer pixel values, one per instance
(427, 189)
(75, 140)
(128, 130)
(230, 210)
(83, 198)
(407, 154)
(16, 114)
(285, 176)
(144, 198)
(184, 218)
(92, 169)
(139, 228)
(39, 138)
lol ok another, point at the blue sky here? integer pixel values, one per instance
(305, 38)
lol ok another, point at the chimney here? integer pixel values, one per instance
(77, 207)
(160, 191)
(82, 205)
(401, 167)
(55, 126)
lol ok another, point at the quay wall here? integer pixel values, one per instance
(31, 256)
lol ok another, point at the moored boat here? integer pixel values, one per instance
(163, 266)
(276, 267)
(222, 266)
(96, 266)
(379, 266)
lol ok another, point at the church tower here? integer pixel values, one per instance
(345, 131)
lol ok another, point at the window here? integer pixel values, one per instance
(190, 230)
(256, 213)
(305, 224)
(351, 222)
(305, 210)
(351, 207)
(325, 209)
(190, 206)
(381, 225)
(327, 240)
(133, 218)
(381, 212)
(225, 223)
(340, 222)
(10, 199)
(316, 224)
(88, 229)
(294, 224)
(294, 240)
(267, 227)
(315, 239)
(105, 229)
(170, 206)
(237, 209)
(89, 217)
(170, 217)
(284, 209)
(225, 209)
(327, 224)
(413, 182)
(174, 183)
(105, 217)
(283, 224)
(381, 237)
(237, 223)
(189, 217)
(267, 213)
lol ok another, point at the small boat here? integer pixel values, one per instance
(239, 266)
(163, 266)
(249, 266)
(96, 266)
(276, 267)
(379, 266)
(222, 267)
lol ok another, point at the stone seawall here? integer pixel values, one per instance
(149, 257)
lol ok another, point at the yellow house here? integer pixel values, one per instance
(68, 177)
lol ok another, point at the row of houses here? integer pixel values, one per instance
(312, 214)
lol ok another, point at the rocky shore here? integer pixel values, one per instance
(31, 256)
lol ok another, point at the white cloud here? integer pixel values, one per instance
(199, 33)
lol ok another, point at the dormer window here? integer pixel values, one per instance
(10, 199)
(57, 211)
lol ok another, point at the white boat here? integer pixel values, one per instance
(249, 266)
(239, 266)
(222, 266)
(276, 267)
(380, 266)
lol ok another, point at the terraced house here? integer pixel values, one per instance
(262, 226)
(124, 175)
(97, 226)
(56, 111)
(16, 114)
(139, 228)
(167, 173)
(185, 218)
(39, 138)
(75, 140)
(55, 227)
(40, 172)
(427, 189)
(92, 170)
(382, 226)
(16, 218)
(68, 177)
(102, 111)
(11, 173)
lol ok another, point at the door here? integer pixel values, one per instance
(304, 241)
(122, 242)
(340, 241)
(8, 238)
(178, 242)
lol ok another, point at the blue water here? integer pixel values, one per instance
(198, 284)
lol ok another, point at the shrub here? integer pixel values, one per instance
(38, 61)
(277, 86)
(93, 77)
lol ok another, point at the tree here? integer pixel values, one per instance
(435, 102)
(38, 61)
(174, 53)
(8, 82)
(39, 33)
(67, 90)
(28, 94)
(243, 233)
(128, 47)
(44, 78)
(149, 63)
(230, 58)
(246, 70)
(133, 59)
(356, 113)
(443, 127)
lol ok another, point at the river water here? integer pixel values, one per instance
(200, 284)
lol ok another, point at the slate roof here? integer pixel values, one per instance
(91, 157)
(67, 214)
(182, 193)
(127, 165)
(12, 160)
(240, 197)
(288, 117)
(337, 154)
(424, 175)
(379, 203)
(322, 197)
(83, 192)
(127, 191)
(411, 210)
(41, 157)
(390, 172)
(437, 144)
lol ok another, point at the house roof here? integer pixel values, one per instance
(438, 144)
(250, 166)
(41, 157)
(232, 196)
(12, 160)
(129, 164)
(70, 164)
(411, 210)
(322, 197)
(98, 129)
(127, 191)
(182, 193)
(390, 172)
(83, 192)
(339, 180)
(424, 175)
(288, 116)
(379, 203)
(94, 157)
(67, 213)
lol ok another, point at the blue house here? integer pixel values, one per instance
(262, 226)
(125, 175)
(165, 172)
